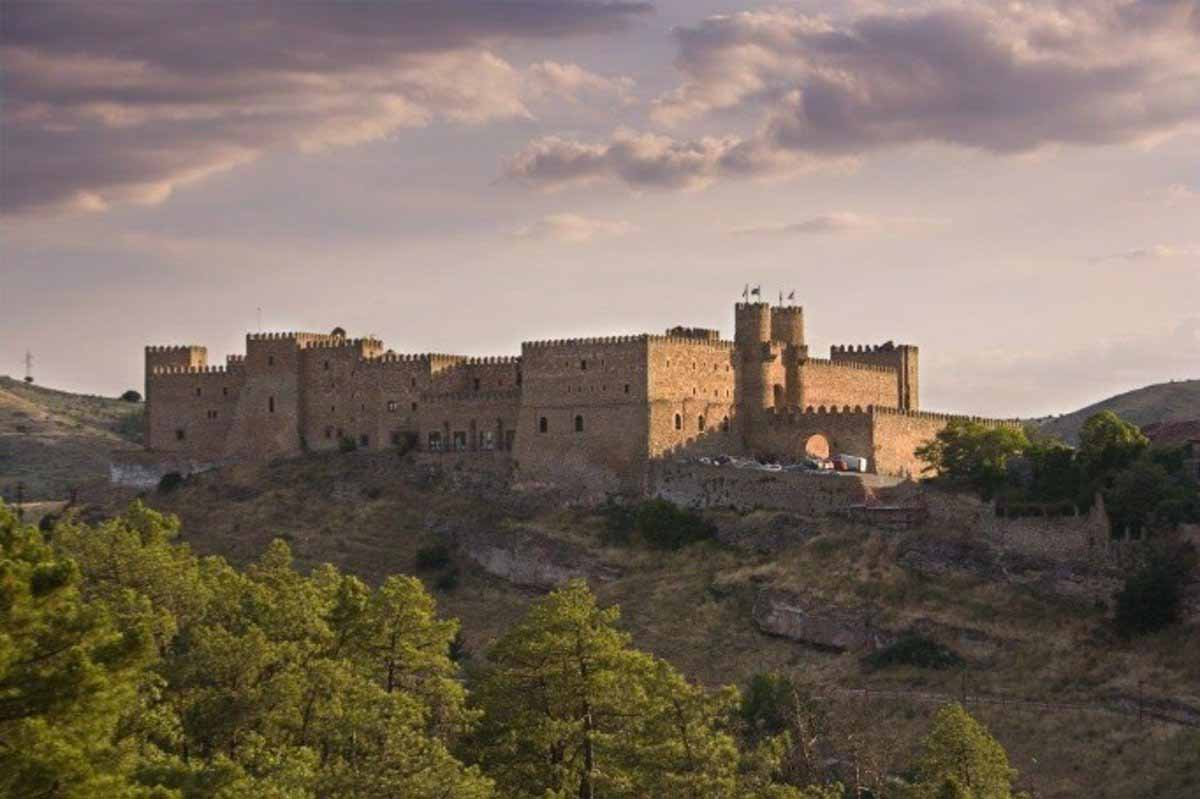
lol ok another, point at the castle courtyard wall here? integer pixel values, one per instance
(839, 384)
(691, 396)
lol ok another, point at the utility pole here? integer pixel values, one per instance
(28, 366)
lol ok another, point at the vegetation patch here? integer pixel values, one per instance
(914, 649)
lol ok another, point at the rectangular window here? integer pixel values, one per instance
(180, 435)
(487, 440)
(364, 440)
(476, 383)
(460, 440)
(270, 360)
(225, 391)
(391, 406)
(212, 414)
(414, 407)
(435, 442)
(198, 391)
(270, 405)
(626, 388)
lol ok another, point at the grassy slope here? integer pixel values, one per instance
(52, 440)
(369, 513)
(1165, 402)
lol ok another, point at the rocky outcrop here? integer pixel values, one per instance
(528, 558)
(818, 623)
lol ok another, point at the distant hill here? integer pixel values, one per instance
(51, 441)
(1177, 401)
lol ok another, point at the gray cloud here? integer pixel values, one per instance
(993, 76)
(122, 102)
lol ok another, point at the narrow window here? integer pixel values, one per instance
(578, 424)
(725, 424)
(327, 366)
(678, 422)
(700, 423)
(518, 378)
(414, 407)
(270, 360)
(332, 408)
(364, 440)
(224, 391)
(198, 391)
(583, 366)
(270, 405)
(180, 435)
(543, 425)
(626, 388)
(414, 382)
(476, 384)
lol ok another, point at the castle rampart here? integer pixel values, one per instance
(598, 411)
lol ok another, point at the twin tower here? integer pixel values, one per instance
(776, 371)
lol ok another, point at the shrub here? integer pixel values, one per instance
(914, 649)
(131, 396)
(664, 525)
(404, 443)
(1152, 597)
(169, 482)
(47, 522)
(347, 444)
(432, 558)
(448, 581)
(620, 519)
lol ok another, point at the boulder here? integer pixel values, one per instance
(529, 558)
(817, 623)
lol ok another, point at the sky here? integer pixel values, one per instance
(1013, 187)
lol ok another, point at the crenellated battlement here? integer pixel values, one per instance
(161, 371)
(865, 367)
(794, 415)
(853, 349)
(585, 342)
(174, 349)
(338, 342)
(948, 417)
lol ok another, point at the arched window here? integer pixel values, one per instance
(700, 423)
(725, 425)
(578, 424)
(543, 425)
(678, 422)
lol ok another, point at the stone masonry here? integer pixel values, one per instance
(597, 411)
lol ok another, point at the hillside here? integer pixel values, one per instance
(1176, 401)
(52, 441)
(1042, 668)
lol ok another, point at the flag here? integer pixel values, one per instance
(781, 299)
(746, 292)
(756, 291)
(792, 296)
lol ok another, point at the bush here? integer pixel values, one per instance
(131, 396)
(169, 482)
(404, 443)
(447, 582)
(1152, 597)
(620, 519)
(433, 557)
(666, 526)
(914, 649)
(347, 444)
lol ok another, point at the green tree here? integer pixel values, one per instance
(1108, 443)
(572, 710)
(959, 759)
(67, 670)
(1152, 597)
(974, 454)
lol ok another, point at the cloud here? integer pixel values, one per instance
(574, 229)
(837, 222)
(650, 161)
(551, 79)
(1156, 252)
(998, 77)
(109, 103)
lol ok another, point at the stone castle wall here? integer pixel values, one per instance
(831, 383)
(597, 412)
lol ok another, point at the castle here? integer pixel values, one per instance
(599, 410)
